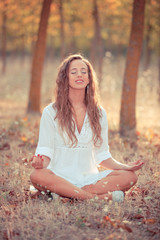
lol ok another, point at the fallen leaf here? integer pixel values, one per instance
(125, 227)
(149, 221)
(116, 223)
(5, 146)
(138, 216)
(154, 232)
(25, 119)
(21, 144)
(24, 139)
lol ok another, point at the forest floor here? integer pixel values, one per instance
(24, 217)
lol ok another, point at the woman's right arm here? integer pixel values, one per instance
(45, 148)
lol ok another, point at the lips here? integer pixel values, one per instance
(79, 81)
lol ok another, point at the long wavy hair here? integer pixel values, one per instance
(63, 105)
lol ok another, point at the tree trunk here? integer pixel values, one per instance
(4, 37)
(97, 49)
(38, 60)
(62, 29)
(159, 76)
(128, 101)
(147, 49)
(159, 55)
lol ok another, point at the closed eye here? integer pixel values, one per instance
(82, 72)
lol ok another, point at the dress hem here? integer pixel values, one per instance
(92, 180)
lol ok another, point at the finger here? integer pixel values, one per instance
(39, 156)
(133, 163)
(35, 163)
(140, 161)
(36, 166)
(137, 162)
(138, 166)
(40, 163)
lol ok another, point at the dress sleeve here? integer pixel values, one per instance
(102, 153)
(46, 135)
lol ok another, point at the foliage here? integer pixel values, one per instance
(115, 18)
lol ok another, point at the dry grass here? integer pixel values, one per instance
(24, 218)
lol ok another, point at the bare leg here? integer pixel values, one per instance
(47, 180)
(116, 180)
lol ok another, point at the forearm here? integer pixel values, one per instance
(113, 164)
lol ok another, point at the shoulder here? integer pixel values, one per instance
(49, 110)
(103, 111)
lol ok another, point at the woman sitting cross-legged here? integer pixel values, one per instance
(73, 141)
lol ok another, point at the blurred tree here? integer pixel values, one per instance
(4, 35)
(159, 76)
(22, 25)
(128, 101)
(97, 45)
(114, 18)
(38, 60)
(159, 50)
(147, 47)
(62, 28)
(151, 31)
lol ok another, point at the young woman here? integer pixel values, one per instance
(73, 141)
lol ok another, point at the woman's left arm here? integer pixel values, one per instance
(113, 164)
(103, 152)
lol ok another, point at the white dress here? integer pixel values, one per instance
(78, 165)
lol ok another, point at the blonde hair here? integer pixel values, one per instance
(64, 108)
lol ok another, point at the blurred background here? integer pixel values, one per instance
(99, 30)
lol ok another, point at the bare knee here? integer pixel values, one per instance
(131, 177)
(40, 175)
(34, 176)
(135, 178)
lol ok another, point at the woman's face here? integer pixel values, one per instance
(78, 74)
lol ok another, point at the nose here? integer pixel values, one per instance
(79, 74)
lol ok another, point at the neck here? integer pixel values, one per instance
(77, 96)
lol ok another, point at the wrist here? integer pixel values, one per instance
(123, 167)
(46, 163)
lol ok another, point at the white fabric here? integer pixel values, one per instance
(118, 196)
(77, 164)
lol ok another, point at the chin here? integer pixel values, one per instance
(78, 87)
